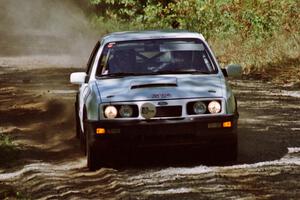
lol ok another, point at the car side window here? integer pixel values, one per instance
(207, 62)
(102, 64)
(92, 60)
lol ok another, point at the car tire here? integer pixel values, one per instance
(98, 154)
(230, 152)
(226, 152)
(77, 120)
(77, 124)
(83, 135)
(82, 142)
(91, 154)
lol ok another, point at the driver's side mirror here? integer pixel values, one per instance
(78, 78)
(232, 70)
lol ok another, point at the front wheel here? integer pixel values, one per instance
(99, 153)
(91, 154)
(77, 123)
(231, 152)
(92, 162)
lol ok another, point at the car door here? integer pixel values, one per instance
(84, 89)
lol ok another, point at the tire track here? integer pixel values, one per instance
(268, 165)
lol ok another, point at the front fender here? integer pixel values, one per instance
(231, 103)
(92, 103)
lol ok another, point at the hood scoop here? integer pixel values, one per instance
(154, 83)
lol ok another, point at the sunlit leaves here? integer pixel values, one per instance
(248, 18)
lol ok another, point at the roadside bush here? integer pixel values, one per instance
(8, 151)
(250, 32)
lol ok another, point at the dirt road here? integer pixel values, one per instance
(36, 109)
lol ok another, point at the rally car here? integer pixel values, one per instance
(154, 89)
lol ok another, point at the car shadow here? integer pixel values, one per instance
(263, 135)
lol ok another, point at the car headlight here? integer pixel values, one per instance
(214, 107)
(199, 107)
(110, 112)
(126, 111)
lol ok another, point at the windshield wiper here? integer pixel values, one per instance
(121, 74)
(191, 71)
(124, 74)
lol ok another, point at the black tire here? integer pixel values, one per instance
(92, 161)
(91, 154)
(83, 135)
(77, 123)
(226, 153)
(231, 152)
(98, 154)
(77, 119)
(82, 142)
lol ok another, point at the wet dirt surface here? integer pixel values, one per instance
(36, 109)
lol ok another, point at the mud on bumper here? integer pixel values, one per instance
(154, 133)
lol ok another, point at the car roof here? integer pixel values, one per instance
(145, 35)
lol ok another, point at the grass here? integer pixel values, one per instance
(9, 153)
(260, 57)
(9, 192)
(8, 150)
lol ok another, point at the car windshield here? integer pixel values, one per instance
(161, 56)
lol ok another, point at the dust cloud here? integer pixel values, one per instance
(37, 32)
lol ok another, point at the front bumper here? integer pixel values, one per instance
(175, 132)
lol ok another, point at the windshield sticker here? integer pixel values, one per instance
(110, 45)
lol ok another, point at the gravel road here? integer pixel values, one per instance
(36, 110)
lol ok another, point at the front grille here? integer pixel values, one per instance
(168, 111)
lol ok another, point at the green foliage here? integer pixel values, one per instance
(250, 32)
(9, 192)
(8, 150)
(5, 140)
(248, 18)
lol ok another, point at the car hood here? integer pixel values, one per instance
(143, 88)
